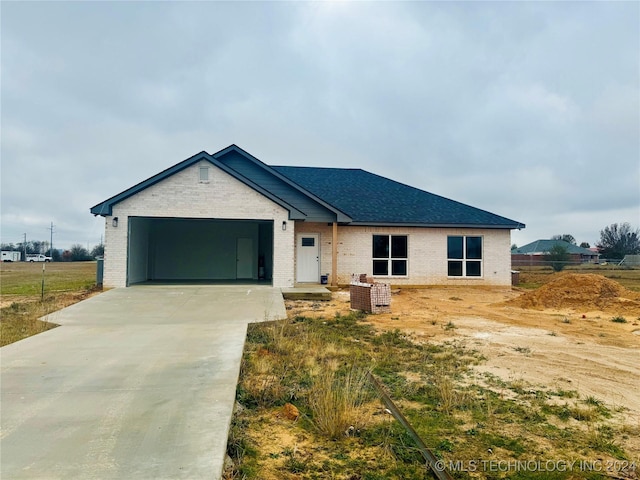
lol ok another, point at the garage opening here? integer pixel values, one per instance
(199, 250)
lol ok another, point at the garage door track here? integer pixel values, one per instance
(138, 383)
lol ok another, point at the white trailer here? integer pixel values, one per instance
(11, 256)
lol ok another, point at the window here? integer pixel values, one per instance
(308, 242)
(464, 256)
(204, 174)
(390, 255)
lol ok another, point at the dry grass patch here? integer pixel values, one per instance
(21, 320)
(336, 402)
(343, 432)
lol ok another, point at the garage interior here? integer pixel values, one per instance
(199, 250)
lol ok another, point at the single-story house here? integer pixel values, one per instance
(230, 217)
(534, 253)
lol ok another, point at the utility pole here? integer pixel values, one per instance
(51, 242)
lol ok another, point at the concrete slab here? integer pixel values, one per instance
(137, 383)
(307, 292)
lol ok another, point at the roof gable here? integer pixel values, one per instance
(371, 199)
(105, 208)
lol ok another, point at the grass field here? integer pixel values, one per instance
(23, 302)
(25, 279)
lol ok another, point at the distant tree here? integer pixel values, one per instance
(558, 256)
(79, 253)
(585, 245)
(616, 241)
(29, 247)
(32, 246)
(97, 251)
(566, 237)
(38, 246)
(514, 247)
(66, 256)
(54, 254)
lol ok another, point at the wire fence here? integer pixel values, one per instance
(540, 264)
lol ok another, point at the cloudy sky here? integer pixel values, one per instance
(530, 110)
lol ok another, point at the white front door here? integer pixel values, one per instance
(244, 258)
(308, 257)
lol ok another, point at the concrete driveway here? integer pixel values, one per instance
(137, 383)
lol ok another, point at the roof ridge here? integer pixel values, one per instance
(318, 168)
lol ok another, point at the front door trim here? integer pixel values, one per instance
(308, 257)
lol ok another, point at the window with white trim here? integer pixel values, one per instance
(464, 256)
(390, 255)
(204, 174)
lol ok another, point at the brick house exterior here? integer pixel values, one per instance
(229, 217)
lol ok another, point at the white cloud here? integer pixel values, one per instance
(538, 99)
(617, 110)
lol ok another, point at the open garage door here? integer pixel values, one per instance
(199, 250)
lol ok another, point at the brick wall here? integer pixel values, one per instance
(427, 263)
(183, 196)
(224, 197)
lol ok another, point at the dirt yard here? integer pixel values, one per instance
(559, 336)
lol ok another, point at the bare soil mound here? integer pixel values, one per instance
(583, 292)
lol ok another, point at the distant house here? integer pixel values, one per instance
(228, 217)
(533, 254)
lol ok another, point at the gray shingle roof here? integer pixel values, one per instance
(542, 246)
(371, 199)
(352, 196)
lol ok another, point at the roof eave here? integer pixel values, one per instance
(438, 225)
(108, 204)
